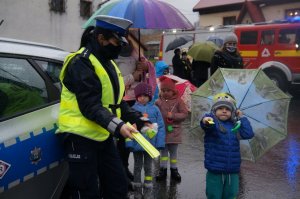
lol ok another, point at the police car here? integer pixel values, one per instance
(31, 156)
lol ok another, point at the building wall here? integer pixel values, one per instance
(278, 12)
(270, 12)
(32, 20)
(215, 18)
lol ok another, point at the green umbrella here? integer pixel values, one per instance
(260, 100)
(203, 51)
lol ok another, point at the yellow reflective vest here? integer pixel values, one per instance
(71, 119)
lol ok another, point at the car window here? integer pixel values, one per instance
(248, 37)
(52, 69)
(287, 36)
(267, 37)
(21, 87)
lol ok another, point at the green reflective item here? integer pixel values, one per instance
(236, 127)
(150, 133)
(211, 122)
(170, 128)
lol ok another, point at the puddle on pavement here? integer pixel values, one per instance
(275, 175)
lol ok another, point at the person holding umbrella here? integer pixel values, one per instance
(228, 56)
(178, 67)
(187, 66)
(92, 112)
(135, 68)
(202, 53)
(222, 146)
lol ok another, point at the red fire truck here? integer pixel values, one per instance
(272, 46)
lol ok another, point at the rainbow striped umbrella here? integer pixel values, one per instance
(145, 14)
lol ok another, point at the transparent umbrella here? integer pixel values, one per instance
(260, 100)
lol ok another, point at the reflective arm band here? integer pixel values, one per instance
(112, 126)
(148, 178)
(164, 158)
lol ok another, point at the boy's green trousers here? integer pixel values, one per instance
(222, 186)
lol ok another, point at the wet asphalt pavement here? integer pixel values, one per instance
(275, 175)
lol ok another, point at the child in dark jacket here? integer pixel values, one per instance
(174, 113)
(222, 146)
(155, 135)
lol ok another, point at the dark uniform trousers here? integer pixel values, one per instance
(123, 151)
(96, 170)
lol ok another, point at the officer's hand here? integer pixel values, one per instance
(126, 131)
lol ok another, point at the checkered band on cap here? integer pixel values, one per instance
(114, 24)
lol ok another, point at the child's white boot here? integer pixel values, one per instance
(148, 191)
(138, 190)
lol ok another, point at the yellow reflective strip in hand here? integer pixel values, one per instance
(149, 148)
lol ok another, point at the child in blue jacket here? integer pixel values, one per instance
(156, 136)
(222, 146)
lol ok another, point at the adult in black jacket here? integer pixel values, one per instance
(178, 66)
(228, 56)
(96, 170)
(200, 72)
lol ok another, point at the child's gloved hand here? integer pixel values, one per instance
(150, 131)
(208, 121)
(239, 113)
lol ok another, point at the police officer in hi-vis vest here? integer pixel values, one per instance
(92, 112)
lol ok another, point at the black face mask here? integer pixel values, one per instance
(111, 52)
(126, 51)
